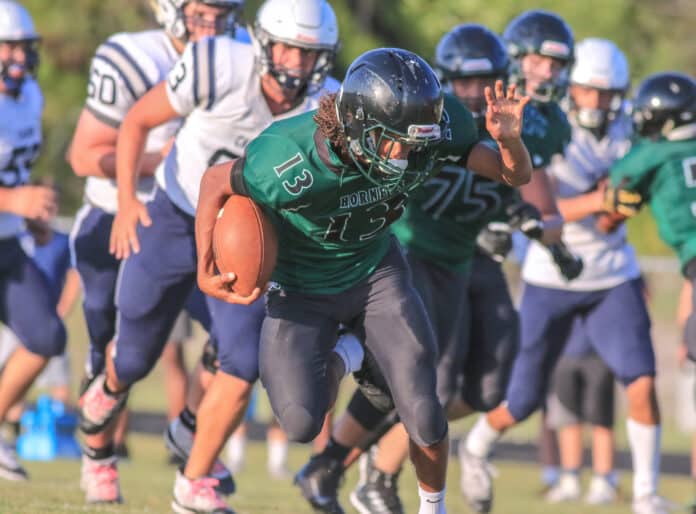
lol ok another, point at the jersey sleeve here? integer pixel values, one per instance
(273, 172)
(116, 81)
(192, 82)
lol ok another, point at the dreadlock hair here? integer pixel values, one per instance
(327, 121)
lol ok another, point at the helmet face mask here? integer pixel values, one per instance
(172, 17)
(306, 24)
(541, 33)
(17, 33)
(392, 100)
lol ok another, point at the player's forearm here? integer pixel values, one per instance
(214, 191)
(7, 200)
(516, 165)
(581, 206)
(539, 193)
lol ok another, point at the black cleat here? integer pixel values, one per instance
(319, 481)
(377, 492)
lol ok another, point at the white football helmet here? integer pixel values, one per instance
(170, 14)
(16, 25)
(309, 24)
(600, 64)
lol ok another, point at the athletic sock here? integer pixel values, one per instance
(335, 450)
(236, 448)
(351, 352)
(277, 455)
(431, 503)
(188, 419)
(99, 453)
(481, 438)
(644, 441)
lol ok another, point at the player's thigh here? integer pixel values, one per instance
(494, 336)
(237, 330)
(297, 338)
(398, 333)
(619, 328)
(26, 306)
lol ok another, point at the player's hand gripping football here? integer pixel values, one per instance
(124, 237)
(220, 285)
(504, 112)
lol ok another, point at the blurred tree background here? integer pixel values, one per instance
(655, 35)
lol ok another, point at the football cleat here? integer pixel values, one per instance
(100, 481)
(198, 496)
(319, 481)
(566, 489)
(179, 440)
(476, 481)
(653, 504)
(10, 468)
(377, 492)
(97, 407)
(601, 491)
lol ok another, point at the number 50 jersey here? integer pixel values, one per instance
(216, 87)
(20, 140)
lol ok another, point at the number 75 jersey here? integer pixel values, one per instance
(20, 141)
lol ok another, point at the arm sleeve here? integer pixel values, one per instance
(192, 81)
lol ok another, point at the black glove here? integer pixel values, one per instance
(568, 264)
(495, 240)
(525, 217)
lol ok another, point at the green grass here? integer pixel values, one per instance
(147, 483)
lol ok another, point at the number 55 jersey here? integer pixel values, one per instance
(20, 141)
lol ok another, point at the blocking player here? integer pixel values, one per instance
(227, 92)
(609, 287)
(464, 291)
(333, 182)
(24, 292)
(123, 69)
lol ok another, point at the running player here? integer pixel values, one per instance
(123, 69)
(26, 305)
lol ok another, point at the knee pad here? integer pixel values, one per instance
(47, 339)
(133, 364)
(299, 424)
(425, 421)
(483, 401)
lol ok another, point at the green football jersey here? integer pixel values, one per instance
(545, 131)
(332, 222)
(664, 173)
(443, 218)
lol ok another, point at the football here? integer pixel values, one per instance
(608, 223)
(244, 243)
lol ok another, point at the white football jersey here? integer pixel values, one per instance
(608, 258)
(20, 141)
(123, 69)
(216, 87)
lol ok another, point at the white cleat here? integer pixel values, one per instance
(601, 491)
(476, 481)
(198, 496)
(653, 504)
(10, 468)
(567, 489)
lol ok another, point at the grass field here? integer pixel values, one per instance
(147, 483)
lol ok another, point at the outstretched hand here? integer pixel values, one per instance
(504, 112)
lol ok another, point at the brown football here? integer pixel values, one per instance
(609, 222)
(244, 243)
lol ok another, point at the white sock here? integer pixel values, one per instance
(481, 438)
(277, 456)
(350, 351)
(236, 446)
(644, 441)
(431, 503)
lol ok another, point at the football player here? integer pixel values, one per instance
(25, 300)
(464, 290)
(338, 179)
(123, 69)
(227, 92)
(609, 286)
(660, 168)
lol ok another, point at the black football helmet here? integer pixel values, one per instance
(471, 50)
(544, 33)
(391, 95)
(663, 102)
